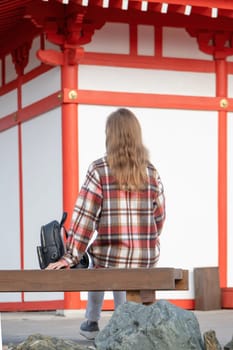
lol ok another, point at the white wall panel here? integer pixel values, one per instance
(42, 168)
(146, 80)
(146, 40)
(230, 202)
(183, 146)
(33, 61)
(91, 139)
(10, 69)
(9, 206)
(9, 199)
(230, 85)
(50, 46)
(8, 103)
(178, 43)
(230, 58)
(41, 87)
(111, 38)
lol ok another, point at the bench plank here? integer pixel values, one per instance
(93, 279)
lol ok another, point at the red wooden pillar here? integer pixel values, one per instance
(68, 60)
(218, 45)
(221, 91)
(69, 75)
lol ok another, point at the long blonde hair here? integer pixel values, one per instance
(126, 155)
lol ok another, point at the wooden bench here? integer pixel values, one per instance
(140, 284)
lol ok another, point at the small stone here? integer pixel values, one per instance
(210, 341)
(40, 342)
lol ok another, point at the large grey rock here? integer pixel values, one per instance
(160, 326)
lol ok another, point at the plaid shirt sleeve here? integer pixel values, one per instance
(85, 217)
(159, 212)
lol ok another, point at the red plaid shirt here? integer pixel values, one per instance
(128, 223)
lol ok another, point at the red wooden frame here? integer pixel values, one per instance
(60, 98)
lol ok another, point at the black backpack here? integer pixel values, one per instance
(52, 246)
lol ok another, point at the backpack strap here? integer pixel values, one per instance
(63, 219)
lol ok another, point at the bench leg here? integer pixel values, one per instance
(146, 297)
(134, 295)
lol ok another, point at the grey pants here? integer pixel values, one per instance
(95, 301)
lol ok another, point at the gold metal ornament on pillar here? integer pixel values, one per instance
(224, 103)
(72, 94)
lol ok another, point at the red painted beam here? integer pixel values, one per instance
(152, 100)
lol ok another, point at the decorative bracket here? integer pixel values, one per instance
(70, 56)
(20, 57)
(67, 26)
(219, 44)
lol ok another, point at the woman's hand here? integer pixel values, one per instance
(57, 265)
